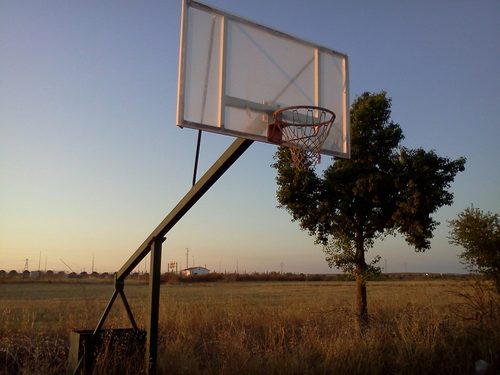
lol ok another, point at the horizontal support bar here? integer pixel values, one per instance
(232, 101)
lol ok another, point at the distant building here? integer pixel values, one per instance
(191, 271)
(35, 275)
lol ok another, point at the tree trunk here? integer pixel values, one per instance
(361, 300)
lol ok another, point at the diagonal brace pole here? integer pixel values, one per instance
(234, 151)
(129, 311)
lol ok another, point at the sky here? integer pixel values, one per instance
(91, 159)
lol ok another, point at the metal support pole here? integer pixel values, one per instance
(197, 156)
(154, 305)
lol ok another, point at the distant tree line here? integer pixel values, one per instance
(174, 278)
(51, 275)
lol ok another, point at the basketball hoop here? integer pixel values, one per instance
(303, 129)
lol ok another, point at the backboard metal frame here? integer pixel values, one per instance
(219, 27)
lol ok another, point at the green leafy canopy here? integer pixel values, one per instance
(383, 189)
(478, 233)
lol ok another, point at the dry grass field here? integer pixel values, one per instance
(416, 327)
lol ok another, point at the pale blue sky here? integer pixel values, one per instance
(91, 160)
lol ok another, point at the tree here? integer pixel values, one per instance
(383, 189)
(479, 234)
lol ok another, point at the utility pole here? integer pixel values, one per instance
(187, 258)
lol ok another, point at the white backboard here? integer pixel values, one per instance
(233, 73)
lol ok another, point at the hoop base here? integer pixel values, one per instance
(274, 134)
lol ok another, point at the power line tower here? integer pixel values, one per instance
(26, 265)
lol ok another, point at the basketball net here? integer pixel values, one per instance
(303, 129)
